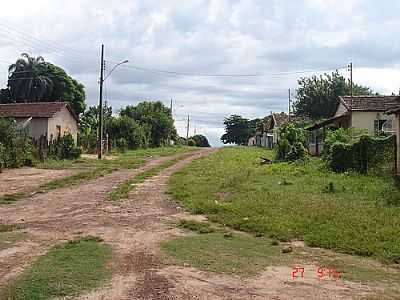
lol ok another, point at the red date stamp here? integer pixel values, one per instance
(320, 272)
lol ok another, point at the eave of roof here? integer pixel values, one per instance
(325, 122)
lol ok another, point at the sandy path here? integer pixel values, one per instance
(134, 228)
(28, 179)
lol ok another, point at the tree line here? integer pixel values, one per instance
(32, 79)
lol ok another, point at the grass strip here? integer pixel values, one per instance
(65, 270)
(239, 254)
(11, 198)
(122, 190)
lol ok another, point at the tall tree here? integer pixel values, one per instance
(238, 130)
(28, 79)
(32, 79)
(155, 118)
(317, 97)
(66, 88)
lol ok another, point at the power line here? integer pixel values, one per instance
(166, 72)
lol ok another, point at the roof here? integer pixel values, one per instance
(280, 119)
(370, 103)
(326, 122)
(34, 110)
(395, 110)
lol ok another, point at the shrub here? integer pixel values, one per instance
(68, 148)
(291, 144)
(365, 154)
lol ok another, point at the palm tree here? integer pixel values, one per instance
(28, 79)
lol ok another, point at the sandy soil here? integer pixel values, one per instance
(134, 228)
(28, 179)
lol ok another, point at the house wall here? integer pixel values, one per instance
(67, 122)
(365, 120)
(36, 127)
(398, 142)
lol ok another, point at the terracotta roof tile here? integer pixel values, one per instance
(34, 110)
(370, 103)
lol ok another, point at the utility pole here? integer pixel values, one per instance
(187, 129)
(170, 106)
(289, 105)
(350, 66)
(100, 129)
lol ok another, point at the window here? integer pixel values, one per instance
(58, 131)
(378, 124)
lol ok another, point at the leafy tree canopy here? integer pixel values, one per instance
(200, 141)
(31, 79)
(317, 97)
(238, 130)
(157, 119)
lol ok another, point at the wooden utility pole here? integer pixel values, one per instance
(187, 129)
(351, 79)
(100, 129)
(170, 107)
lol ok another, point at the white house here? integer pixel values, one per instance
(360, 112)
(51, 119)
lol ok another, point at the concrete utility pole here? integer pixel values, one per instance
(187, 129)
(100, 129)
(289, 106)
(351, 78)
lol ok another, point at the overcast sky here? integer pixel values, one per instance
(206, 37)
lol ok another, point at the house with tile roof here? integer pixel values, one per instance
(267, 133)
(51, 119)
(368, 113)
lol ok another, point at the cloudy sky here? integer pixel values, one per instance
(276, 39)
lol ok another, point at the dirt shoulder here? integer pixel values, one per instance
(25, 180)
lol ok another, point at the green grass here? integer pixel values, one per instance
(352, 218)
(122, 190)
(199, 227)
(65, 270)
(239, 254)
(8, 227)
(11, 198)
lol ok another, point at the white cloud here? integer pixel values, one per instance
(206, 36)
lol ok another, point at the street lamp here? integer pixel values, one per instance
(102, 79)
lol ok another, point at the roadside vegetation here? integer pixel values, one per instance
(345, 212)
(64, 271)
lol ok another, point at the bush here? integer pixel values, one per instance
(291, 144)
(16, 150)
(200, 141)
(68, 148)
(364, 154)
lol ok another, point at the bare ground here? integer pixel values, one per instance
(25, 180)
(134, 228)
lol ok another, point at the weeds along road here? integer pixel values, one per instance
(134, 227)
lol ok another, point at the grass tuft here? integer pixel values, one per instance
(65, 270)
(239, 254)
(11, 198)
(199, 227)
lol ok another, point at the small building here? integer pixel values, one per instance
(51, 119)
(361, 112)
(267, 133)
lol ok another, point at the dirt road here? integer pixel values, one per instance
(135, 227)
